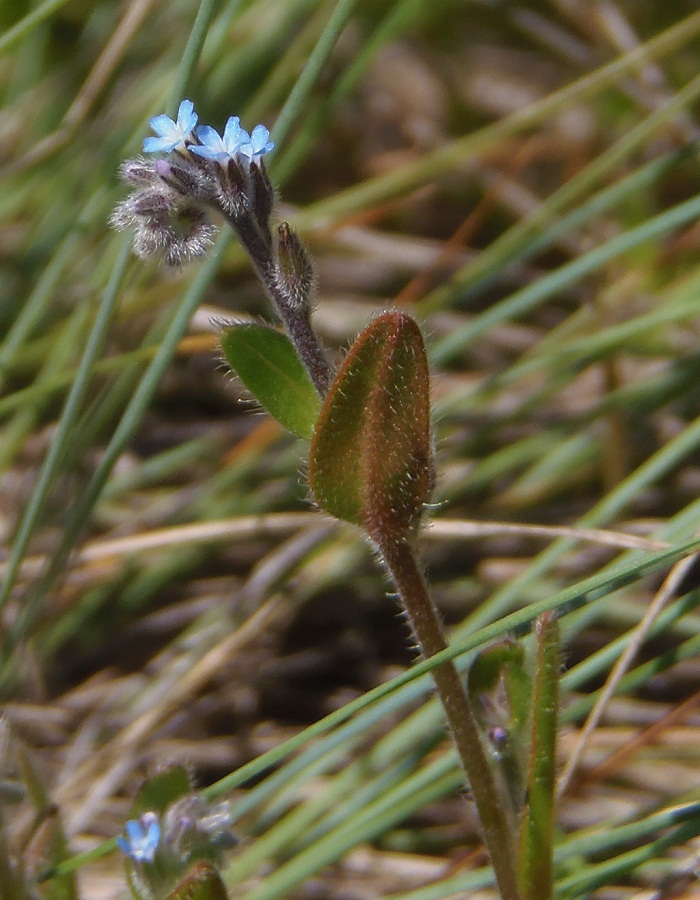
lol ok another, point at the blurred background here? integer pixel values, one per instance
(520, 176)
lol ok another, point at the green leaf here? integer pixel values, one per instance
(203, 882)
(161, 790)
(500, 692)
(371, 454)
(535, 872)
(268, 365)
(136, 881)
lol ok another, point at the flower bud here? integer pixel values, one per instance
(139, 171)
(186, 180)
(263, 194)
(295, 274)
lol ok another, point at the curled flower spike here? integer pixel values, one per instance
(143, 837)
(172, 196)
(258, 144)
(213, 146)
(171, 134)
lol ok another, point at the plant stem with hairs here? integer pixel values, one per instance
(400, 559)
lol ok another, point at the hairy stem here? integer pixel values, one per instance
(295, 318)
(302, 335)
(400, 559)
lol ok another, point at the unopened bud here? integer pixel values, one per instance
(188, 181)
(295, 273)
(139, 171)
(263, 194)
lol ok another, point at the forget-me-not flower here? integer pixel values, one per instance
(218, 148)
(143, 837)
(258, 143)
(200, 170)
(171, 134)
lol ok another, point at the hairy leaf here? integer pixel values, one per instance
(371, 454)
(267, 363)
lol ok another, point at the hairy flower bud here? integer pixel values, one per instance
(232, 191)
(165, 227)
(187, 180)
(263, 193)
(295, 274)
(194, 828)
(152, 202)
(139, 171)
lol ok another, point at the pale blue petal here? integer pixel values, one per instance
(124, 845)
(204, 152)
(162, 125)
(209, 136)
(153, 835)
(143, 838)
(186, 117)
(259, 137)
(234, 135)
(212, 145)
(134, 829)
(171, 134)
(154, 144)
(258, 144)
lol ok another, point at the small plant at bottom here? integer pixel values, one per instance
(175, 841)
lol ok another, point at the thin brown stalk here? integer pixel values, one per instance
(400, 559)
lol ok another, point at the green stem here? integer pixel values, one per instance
(535, 857)
(400, 559)
(296, 319)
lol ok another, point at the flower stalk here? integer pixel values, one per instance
(400, 559)
(371, 463)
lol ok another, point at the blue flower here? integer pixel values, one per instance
(218, 148)
(171, 134)
(258, 143)
(143, 838)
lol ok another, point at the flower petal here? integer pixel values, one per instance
(162, 124)
(153, 144)
(234, 135)
(258, 143)
(134, 830)
(186, 117)
(212, 145)
(171, 134)
(259, 137)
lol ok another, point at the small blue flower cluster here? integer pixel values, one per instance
(191, 828)
(205, 141)
(143, 837)
(203, 172)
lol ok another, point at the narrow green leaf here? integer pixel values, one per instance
(50, 846)
(500, 691)
(535, 854)
(500, 669)
(371, 454)
(47, 845)
(267, 363)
